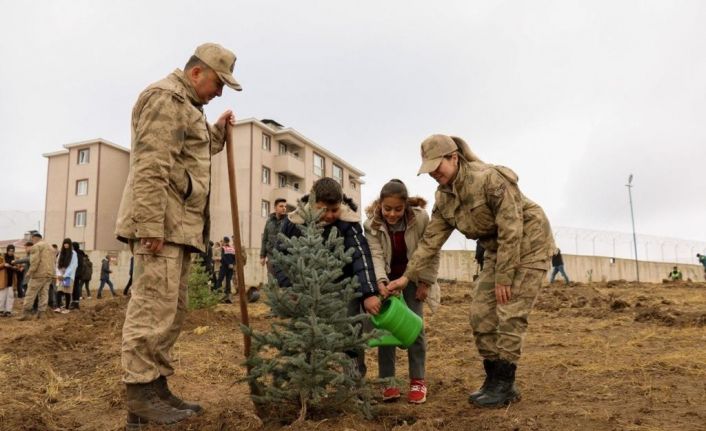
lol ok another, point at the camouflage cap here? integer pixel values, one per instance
(434, 148)
(221, 60)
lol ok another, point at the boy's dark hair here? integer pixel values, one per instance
(29, 244)
(10, 247)
(36, 235)
(394, 188)
(329, 191)
(278, 200)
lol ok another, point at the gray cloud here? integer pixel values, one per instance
(574, 96)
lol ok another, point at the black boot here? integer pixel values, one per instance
(501, 391)
(162, 389)
(144, 405)
(489, 365)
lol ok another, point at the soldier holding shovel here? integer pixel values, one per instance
(164, 217)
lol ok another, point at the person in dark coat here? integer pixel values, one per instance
(12, 273)
(558, 267)
(76, 294)
(86, 276)
(339, 211)
(105, 277)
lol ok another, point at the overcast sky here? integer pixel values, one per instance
(572, 95)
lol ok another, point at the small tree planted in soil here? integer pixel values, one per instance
(200, 294)
(301, 366)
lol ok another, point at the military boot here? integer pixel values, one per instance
(500, 391)
(25, 316)
(144, 405)
(162, 389)
(489, 365)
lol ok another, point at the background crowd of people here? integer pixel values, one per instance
(50, 277)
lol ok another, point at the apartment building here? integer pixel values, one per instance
(85, 181)
(271, 161)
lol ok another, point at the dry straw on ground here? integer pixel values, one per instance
(606, 356)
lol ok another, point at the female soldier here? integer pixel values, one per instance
(484, 203)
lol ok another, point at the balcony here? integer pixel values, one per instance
(288, 192)
(289, 164)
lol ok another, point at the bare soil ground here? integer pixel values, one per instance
(605, 356)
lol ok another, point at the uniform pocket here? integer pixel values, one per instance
(475, 219)
(156, 275)
(180, 181)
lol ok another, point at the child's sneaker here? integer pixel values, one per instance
(417, 391)
(57, 310)
(391, 394)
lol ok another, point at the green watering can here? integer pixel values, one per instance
(401, 324)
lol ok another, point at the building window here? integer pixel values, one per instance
(337, 172)
(265, 208)
(282, 180)
(266, 142)
(81, 187)
(318, 165)
(80, 218)
(352, 180)
(265, 175)
(84, 156)
(282, 148)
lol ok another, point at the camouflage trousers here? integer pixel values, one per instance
(37, 288)
(155, 313)
(498, 330)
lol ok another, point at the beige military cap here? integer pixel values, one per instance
(221, 60)
(434, 148)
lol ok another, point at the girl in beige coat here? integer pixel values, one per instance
(394, 227)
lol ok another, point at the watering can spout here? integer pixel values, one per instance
(400, 324)
(385, 340)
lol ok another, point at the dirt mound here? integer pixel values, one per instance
(601, 356)
(671, 317)
(577, 296)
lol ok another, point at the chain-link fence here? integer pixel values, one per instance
(589, 242)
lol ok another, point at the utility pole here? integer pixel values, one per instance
(632, 216)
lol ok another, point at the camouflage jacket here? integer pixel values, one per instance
(269, 235)
(168, 186)
(41, 261)
(485, 204)
(381, 245)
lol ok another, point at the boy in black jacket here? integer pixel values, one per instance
(339, 211)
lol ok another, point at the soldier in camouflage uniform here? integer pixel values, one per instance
(164, 218)
(484, 203)
(40, 274)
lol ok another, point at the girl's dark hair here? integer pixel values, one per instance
(329, 191)
(65, 254)
(394, 188)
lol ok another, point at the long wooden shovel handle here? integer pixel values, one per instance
(230, 138)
